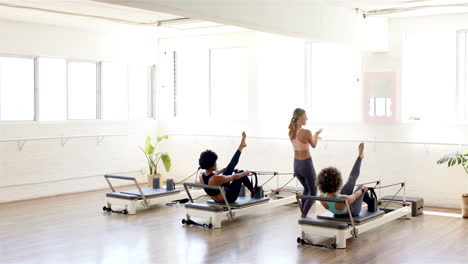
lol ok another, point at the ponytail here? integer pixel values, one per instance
(293, 127)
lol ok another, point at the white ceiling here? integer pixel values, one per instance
(124, 13)
(385, 4)
(85, 8)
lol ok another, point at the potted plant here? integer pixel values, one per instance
(153, 157)
(458, 158)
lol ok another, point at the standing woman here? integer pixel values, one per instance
(304, 170)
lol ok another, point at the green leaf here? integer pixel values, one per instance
(149, 149)
(166, 161)
(158, 139)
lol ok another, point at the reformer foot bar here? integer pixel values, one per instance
(217, 212)
(341, 228)
(132, 200)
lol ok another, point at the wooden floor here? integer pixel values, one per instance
(73, 229)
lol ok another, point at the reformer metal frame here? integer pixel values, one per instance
(132, 204)
(341, 235)
(216, 217)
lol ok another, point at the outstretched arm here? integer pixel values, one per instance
(313, 139)
(221, 179)
(354, 196)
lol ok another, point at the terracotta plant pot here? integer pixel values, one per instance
(464, 200)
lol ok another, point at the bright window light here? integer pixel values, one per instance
(336, 90)
(114, 91)
(141, 91)
(429, 76)
(82, 90)
(192, 82)
(52, 89)
(229, 83)
(16, 89)
(280, 76)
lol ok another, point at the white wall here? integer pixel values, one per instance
(45, 168)
(269, 149)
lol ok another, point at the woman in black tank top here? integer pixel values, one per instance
(231, 183)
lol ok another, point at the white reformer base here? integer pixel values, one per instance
(132, 205)
(216, 217)
(341, 235)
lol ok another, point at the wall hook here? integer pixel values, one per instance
(21, 144)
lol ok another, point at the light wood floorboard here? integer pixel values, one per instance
(73, 229)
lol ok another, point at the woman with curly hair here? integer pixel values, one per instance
(230, 182)
(303, 167)
(330, 181)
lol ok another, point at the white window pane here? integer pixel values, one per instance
(140, 91)
(82, 90)
(114, 91)
(429, 76)
(336, 92)
(229, 83)
(52, 89)
(380, 106)
(16, 89)
(280, 76)
(192, 83)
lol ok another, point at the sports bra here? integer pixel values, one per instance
(332, 208)
(297, 144)
(206, 179)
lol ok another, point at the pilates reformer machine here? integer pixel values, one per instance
(216, 212)
(339, 229)
(142, 197)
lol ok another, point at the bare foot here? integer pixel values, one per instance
(243, 144)
(361, 150)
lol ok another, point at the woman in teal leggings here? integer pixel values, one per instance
(329, 183)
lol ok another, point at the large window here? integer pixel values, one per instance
(82, 89)
(192, 83)
(52, 89)
(429, 76)
(16, 89)
(335, 72)
(141, 91)
(229, 83)
(280, 76)
(114, 91)
(462, 75)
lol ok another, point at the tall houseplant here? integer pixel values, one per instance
(154, 157)
(453, 159)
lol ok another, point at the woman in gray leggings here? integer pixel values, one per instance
(329, 183)
(303, 167)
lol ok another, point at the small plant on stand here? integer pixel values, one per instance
(154, 158)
